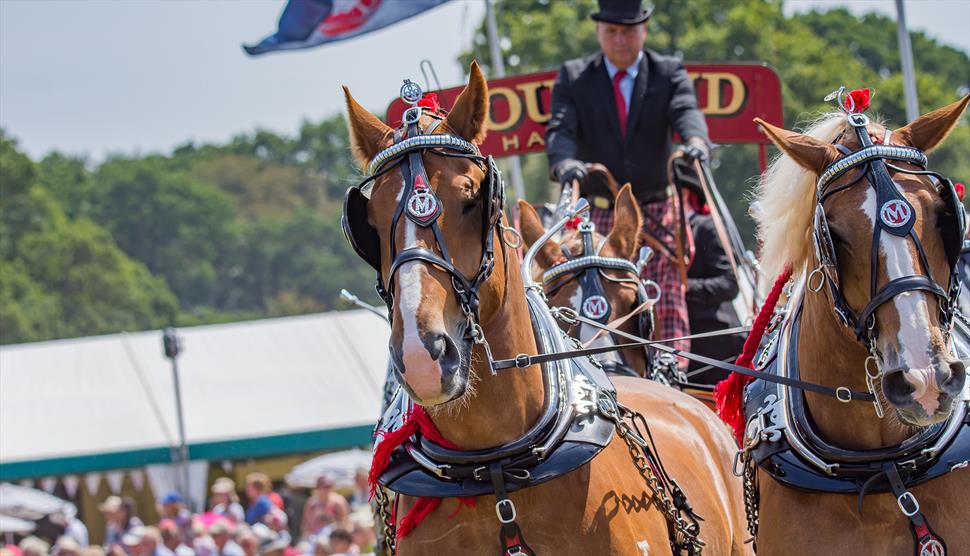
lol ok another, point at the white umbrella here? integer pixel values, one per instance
(10, 524)
(340, 465)
(32, 504)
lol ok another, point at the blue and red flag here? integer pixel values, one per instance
(309, 23)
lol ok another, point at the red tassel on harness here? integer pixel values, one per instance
(858, 100)
(416, 420)
(729, 392)
(430, 102)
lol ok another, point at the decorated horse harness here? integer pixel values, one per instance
(589, 268)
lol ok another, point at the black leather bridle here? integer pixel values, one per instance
(895, 215)
(421, 205)
(589, 269)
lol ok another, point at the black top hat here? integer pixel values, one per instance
(622, 12)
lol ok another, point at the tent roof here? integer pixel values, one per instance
(249, 389)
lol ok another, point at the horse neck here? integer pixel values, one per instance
(829, 354)
(504, 406)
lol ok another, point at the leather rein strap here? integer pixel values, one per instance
(523, 361)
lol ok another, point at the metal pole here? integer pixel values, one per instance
(173, 347)
(906, 60)
(498, 65)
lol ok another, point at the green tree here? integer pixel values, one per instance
(179, 228)
(62, 277)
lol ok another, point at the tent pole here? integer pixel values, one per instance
(173, 346)
(906, 60)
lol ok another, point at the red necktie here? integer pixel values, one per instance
(620, 102)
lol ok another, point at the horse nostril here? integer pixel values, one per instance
(896, 388)
(958, 375)
(443, 349)
(436, 346)
(450, 360)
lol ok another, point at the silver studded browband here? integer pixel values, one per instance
(582, 263)
(420, 142)
(843, 165)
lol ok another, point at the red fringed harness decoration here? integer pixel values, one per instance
(729, 392)
(858, 100)
(415, 421)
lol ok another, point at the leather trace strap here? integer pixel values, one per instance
(927, 542)
(523, 361)
(510, 535)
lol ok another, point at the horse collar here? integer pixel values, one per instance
(571, 431)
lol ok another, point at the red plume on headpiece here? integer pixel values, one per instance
(960, 188)
(429, 101)
(858, 100)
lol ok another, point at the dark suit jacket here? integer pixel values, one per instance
(583, 123)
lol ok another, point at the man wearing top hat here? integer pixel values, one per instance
(620, 107)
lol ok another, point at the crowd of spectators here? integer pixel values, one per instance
(331, 525)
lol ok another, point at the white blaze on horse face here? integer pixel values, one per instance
(913, 338)
(422, 373)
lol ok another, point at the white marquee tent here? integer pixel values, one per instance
(249, 389)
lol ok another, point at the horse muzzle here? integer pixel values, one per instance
(923, 397)
(435, 372)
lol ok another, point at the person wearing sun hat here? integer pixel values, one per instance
(620, 107)
(224, 501)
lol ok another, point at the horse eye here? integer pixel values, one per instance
(471, 205)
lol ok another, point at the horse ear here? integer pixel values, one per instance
(531, 226)
(808, 152)
(929, 130)
(467, 118)
(627, 221)
(368, 134)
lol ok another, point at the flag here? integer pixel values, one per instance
(309, 23)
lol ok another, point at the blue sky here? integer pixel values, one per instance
(96, 77)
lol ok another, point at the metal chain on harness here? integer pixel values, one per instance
(749, 480)
(685, 529)
(388, 529)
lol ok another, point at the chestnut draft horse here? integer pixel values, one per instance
(608, 268)
(598, 277)
(429, 219)
(875, 460)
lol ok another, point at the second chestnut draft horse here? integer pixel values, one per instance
(498, 457)
(598, 277)
(874, 459)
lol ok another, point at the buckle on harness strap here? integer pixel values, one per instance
(907, 497)
(505, 506)
(843, 394)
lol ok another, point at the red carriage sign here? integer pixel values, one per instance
(729, 95)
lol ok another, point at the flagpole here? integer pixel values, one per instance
(498, 66)
(906, 60)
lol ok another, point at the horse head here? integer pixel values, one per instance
(886, 240)
(616, 292)
(428, 224)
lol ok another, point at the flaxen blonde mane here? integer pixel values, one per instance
(786, 204)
